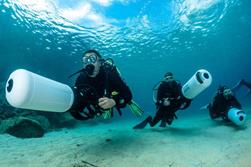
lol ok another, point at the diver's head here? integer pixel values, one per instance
(168, 75)
(92, 62)
(226, 92)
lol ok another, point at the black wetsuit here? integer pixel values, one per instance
(170, 89)
(220, 105)
(88, 90)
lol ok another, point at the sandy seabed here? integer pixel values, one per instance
(189, 142)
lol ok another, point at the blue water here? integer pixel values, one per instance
(146, 38)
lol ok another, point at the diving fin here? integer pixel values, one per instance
(135, 109)
(107, 114)
(163, 124)
(143, 124)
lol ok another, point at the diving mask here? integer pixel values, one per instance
(227, 93)
(90, 59)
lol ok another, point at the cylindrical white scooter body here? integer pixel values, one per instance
(196, 84)
(237, 116)
(28, 90)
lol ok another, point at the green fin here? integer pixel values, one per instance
(135, 109)
(107, 114)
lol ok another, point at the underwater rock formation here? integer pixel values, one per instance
(22, 127)
(26, 122)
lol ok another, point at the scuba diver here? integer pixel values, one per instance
(242, 83)
(223, 101)
(99, 88)
(169, 100)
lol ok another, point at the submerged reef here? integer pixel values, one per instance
(29, 123)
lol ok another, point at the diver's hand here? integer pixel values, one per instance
(106, 103)
(205, 107)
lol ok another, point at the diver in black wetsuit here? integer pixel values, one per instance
(242, 83)
(169, 100)
(223, 100)
(98, 88)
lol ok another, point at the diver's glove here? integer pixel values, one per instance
(106, 103)
(135, 109)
